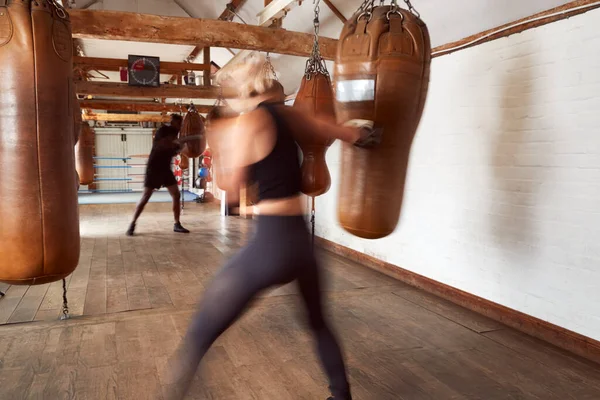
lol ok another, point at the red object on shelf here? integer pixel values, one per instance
(124, 74)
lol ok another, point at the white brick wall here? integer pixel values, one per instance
(503, 191)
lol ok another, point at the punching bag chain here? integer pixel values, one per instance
(411, 8)
(366, 8)
(315, 64)
(65, 306)
(269, 69)
(60, 11)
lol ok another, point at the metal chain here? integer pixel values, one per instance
(60, 11)
(411, 8)
(269, 69)
(366, 8)
(316, 64)
(65, 306)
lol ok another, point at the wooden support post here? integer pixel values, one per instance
(245, 211)
(206, 52)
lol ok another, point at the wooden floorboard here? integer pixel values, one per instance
(132, 299)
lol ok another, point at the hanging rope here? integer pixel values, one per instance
(316, 64)
(65, 306)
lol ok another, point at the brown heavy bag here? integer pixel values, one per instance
(77, 120)
(382, 75)
(315, 98)
(185, 162)
(84, 155)
(39, 232)
(193, 125)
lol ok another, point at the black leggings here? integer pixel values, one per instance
(279, 253)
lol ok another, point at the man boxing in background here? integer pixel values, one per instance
(159, 173)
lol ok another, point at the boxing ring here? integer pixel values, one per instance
(118, 197)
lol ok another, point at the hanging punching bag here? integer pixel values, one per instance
(39, 228)
(193, 125)
(77, 120)
(382, 75)
(84, 155)
(315, 98)
(185, 162)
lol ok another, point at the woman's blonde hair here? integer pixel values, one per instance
(251, 77)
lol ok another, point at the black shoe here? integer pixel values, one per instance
(179, 229)
(131, 230)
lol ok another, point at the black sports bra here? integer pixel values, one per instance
(278, 175)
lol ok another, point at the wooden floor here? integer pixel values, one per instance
(132, 299)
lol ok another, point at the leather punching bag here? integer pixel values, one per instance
(193, 125)
(185, 162)
(84, 155)
(39, 228)
(315, 98)
(77, 120)
(382, 75)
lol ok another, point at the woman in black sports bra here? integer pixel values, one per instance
(259, 146)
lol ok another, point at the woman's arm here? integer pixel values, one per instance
(304, 126)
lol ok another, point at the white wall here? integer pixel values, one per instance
(503, 191)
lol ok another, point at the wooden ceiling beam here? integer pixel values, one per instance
(271, 9)
(335, 10)
(116, 25)
(113, 64)
(114, 89)
(126, 117)
(274, 10)
(133, 106)
(229, 13)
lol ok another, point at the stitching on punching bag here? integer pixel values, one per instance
(37, 128)
(60, 40)
(6, 26)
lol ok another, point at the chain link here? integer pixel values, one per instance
(60, 10)
(411, 8)
(269, 69)
(366, 8)
(316, 64)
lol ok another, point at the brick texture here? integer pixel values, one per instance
(503, 191)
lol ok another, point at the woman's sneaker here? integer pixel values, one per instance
(131, 230)
(179, 229)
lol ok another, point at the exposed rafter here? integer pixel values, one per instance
(113, 64)
(167, 91)
(335, 10)
(114, 25)
(138, 106)
(126, 117)
(273, 9)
